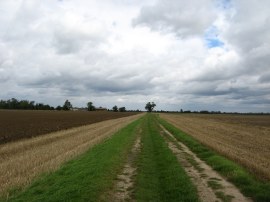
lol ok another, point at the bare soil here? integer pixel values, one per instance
(19, 124)
(211, 186)
(244, 139)
(22, 161)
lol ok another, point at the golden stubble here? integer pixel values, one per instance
(22, 161)
(236, 137)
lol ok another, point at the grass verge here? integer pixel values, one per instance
(87, 177)
(160, 176)
(246, 182)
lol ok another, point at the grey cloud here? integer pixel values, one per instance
(75, 84)
(66, 40)
(51, 51)
(265, 78)
(258, 101)
(66, 44)
(206, 88)
(182, 17)
(249, 27)
(249, 33)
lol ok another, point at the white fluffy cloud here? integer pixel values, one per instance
(194, 55)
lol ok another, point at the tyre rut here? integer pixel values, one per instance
(211, 186)
(124, 184)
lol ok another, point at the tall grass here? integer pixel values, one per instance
(87, 177)
(246, 182)
(160, 176)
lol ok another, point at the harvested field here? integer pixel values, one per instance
(242, 138)
(22, 161)
(18, 124)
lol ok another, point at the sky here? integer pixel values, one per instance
(192, 55)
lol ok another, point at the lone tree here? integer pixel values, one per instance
(90, 106)
(67, 105)
(150, 106)
(115, 108)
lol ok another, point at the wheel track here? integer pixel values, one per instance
(211, 186)
(124, 184)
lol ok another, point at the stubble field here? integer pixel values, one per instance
(243, 138)
(15, 124)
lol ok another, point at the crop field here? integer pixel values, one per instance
(242, 138)
(21, 161)
(17, 124)
(144, 157)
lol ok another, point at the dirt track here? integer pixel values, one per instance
(244, 139)
(21, 161)
(211, 186)
(124, 184)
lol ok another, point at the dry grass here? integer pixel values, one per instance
(22, 161)
(244, 139)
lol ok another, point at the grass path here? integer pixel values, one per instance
(160, 176)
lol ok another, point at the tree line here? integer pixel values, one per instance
(31, 105)
(23, 104)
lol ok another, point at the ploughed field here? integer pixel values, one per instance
(16, 124)
(242, 138)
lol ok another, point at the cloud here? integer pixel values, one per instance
(185, 18)
(249, 34)
(72, 33)
(181, 54)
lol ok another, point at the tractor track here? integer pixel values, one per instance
(211, 186)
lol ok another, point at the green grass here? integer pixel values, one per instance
(160, 176)
(223, 197)
(214, 184)
(87, 177)
(246, 182)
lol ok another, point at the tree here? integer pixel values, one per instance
(150, 106)
(90, 106)
(67, 105)
(58, 107)
(115, 108)
(122, 109)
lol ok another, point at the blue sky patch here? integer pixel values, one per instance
(211, 37)
(212, 43)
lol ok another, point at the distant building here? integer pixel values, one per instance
(78, 109)
(101, 109)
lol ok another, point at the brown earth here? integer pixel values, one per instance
(244, 139)
(18, 124)
(22, 161)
